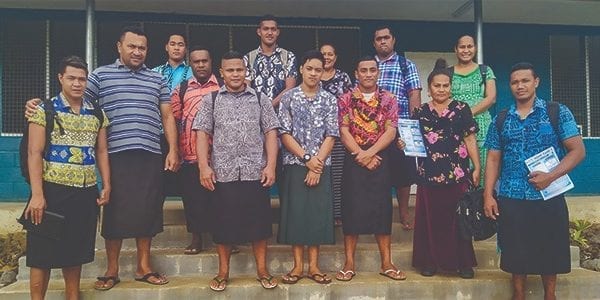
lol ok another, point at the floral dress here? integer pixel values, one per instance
(447, 160)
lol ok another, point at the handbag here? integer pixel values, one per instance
(472, 222)
(51, 227)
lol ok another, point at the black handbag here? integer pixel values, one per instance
(51, 227)
(472, 222)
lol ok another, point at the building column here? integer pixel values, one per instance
(90, 34)
(478, 14)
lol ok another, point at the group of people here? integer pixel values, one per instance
(331, 146)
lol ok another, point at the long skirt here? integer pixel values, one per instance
(366, 198)
(306, 212)
(76, 246)
(436, 242)
(533, 236)
(242, 211)
(196, 200)
(136, 202)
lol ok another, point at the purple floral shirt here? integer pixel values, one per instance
(447, 160)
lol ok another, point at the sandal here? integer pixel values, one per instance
(394, 274)
(345, 275)
(290, 278)
(106, 282)
(189, 250)
(320, 278)
(267, 282)
(218, 284)
(161, 279)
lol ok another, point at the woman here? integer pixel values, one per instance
(469, 86)
(449, 132)
(308, 116)
(337, 82)
(63, 181)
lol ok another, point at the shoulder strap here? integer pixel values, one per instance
(450, 71)
(403, 66)
(500, 119)
(182, 89)
(483, 71)
(252, 58)
(553, 111)
(98, 113)
(220, 81)
(284, 58)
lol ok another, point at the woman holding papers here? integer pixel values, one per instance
(448, 130)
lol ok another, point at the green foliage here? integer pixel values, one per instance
(576, 230)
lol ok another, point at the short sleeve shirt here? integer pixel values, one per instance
(308, 120)
(237, 123)
(174, 75)
(71, 157)
(523, 138)
(268, 73)
(447, 160)
(339, 84)
(392, 79)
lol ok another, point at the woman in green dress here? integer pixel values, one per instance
(470, 86)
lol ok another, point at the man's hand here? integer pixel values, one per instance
(31, 106)
(476, 176)
(312, 178)
(268, 176)
(104, 196)
(208, 178)
(363, 158)
(540, 180)
(172, 161)
(490, 206)
(35, 209)
(315, 164)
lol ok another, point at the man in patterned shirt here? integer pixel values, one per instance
(533, 233)
(399, 76)
(271, 69)
(175, 70)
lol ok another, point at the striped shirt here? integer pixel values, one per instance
(131, 100)
(391, 79)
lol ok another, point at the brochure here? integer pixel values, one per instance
(410, 132)
(546, 161)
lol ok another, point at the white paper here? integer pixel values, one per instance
(546, 161)
(410, 132)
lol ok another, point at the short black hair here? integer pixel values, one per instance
(267, 18)
(176, 33)
(312, 54)
(135, 29)
(232, 55)
(330, 45)
(384, 26)
(72, 61)
(462, 36)
(440, 68)
(200, 48)
(523, 66)
(367, 58)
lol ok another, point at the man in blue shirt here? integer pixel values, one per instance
(533, 234)
(175, 70)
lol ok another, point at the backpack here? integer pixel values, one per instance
(482, 70)
(552, 108)
(472, 222)
(254, 53)
(49, 115)
(184, 85)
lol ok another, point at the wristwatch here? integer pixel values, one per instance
(305, 158)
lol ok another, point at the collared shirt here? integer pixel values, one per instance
(238, 123)
(185, 116)
(71, 157)
(308, 120)
(174, 75)
(367, 119)
(447, 160)
(393, 80)
(523, 138)
(339, 84)
(131, 100)
(268, 73)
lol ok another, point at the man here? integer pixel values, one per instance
(271, 70)
(533, 234)
(368, 117)
(185, 102)
(175, 70)
(399, 76)
(239, 168)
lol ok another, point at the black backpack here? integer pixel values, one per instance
(50, 115)
(472, 222)
(552, 108)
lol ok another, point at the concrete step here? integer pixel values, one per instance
(176, 236)
(487, 284)
(279, 261)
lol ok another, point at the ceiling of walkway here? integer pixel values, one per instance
(560, 12)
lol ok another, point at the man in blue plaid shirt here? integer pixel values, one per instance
(399, 76)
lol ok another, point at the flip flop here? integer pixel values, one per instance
(393, 274)
(320, 278)
(290, 278)
(267, 282)
(105, 280)
(221, 284)
(343, 275)
(235, 249)
(192, 250)
(147, 276)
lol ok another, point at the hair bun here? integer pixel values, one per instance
(440, 64)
